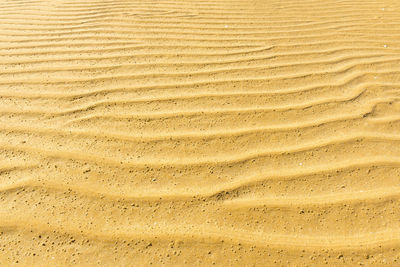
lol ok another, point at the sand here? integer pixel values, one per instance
(199, 133)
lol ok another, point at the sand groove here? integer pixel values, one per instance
(193, 133)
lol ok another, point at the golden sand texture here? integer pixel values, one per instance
(199, 133)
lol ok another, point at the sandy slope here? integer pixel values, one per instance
(234, 133)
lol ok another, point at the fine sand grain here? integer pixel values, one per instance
(199, 133)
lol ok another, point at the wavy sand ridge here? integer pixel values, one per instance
(234, 133)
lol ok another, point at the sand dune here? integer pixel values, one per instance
(198, 133)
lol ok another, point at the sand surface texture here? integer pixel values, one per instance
(138, 133)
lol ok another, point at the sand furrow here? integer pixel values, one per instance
(252, 64)
(196, 220)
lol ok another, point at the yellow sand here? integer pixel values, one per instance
(198, 133)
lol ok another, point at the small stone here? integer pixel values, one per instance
(385, 46)
(340, 256)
